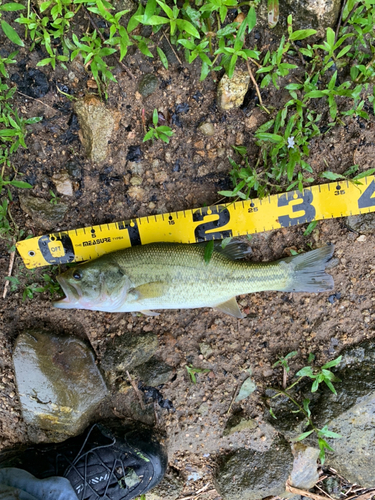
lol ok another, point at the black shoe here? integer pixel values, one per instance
(108, 462)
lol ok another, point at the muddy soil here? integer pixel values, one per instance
(185, 174)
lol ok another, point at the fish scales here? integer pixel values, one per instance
(174, 276)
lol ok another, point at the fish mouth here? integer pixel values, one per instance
(72, 295)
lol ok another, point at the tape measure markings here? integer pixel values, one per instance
(203, 224)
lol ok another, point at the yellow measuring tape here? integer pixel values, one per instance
(327, 201)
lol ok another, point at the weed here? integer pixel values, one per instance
(162, 132)
(8, 30)
(319, 376)
(54, 199)
(43, 283)
(192, 371)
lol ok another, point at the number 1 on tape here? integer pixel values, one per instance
(326, 201)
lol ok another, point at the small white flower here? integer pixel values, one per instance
(290, 142)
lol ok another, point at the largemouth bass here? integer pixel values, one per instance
(176, 276)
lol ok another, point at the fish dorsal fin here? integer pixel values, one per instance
(233, 250)
(230, 307)
(149, 290)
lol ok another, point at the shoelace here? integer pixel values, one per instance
(79, 456)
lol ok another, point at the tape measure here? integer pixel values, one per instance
(326, 201)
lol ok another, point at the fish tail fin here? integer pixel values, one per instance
(308, 271)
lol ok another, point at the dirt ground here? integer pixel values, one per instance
(185, 174)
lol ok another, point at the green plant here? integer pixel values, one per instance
(54, 199)
(192, 371)
(162, 132)
(8, 30)
(319, 375)
(40, 284)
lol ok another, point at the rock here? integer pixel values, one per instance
(247, 388)
(136, 180)
(169, 488)
(205, 349)
(154, 372)
(307, 14)
(44, 214)
(364, 224)
(63, 183)
(97, 126)
(238, 423)
(350, 413)
(231, 91)
(148, 85)
(207, 129)
(59, 384)
(74, 169)
(128, 351)
(248, 474)
(305, 466)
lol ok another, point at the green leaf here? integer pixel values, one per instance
(150, 134)
(315, 94)
(166, 9)
(251, 18)
(305, 372)
(315, 385)
(265, 136)
(21, 184)
(332, 176)
(371, 171)
(334, 362)
(330, 37)
(329, 434)
(11, 33)
(11, 7)
(163, 57)
(149, 10)
(272, 414)
(301, 34)
(188, 27)
(310, 228)
(306, 403)
(302, 436)
(208, 251)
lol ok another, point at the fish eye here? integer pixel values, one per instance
(77, 275)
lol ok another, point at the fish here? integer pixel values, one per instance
(157, 276)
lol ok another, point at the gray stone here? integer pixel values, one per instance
(74, 169)
(169, 488)
(205, 349)
(307, 14)
(247, 474)
(350, 413)
(231, 91)
(63, 183)
(148, 85)
(154, 372)
(59, 384)
(97, 126)
(305, 466)
(207, 129)
(46, 215)
(238, 423)
(128, 351)
(364, 224)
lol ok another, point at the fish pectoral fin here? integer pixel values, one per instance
(149, 290)
(230, 307)
(149, 313)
